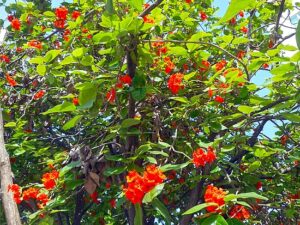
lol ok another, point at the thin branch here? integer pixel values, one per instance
(150, 8)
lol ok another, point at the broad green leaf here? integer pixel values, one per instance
(178, 51)
(254, 166)
(114, 171)
(87, 60)
(102, 37)
(68, 167)
(46, 221)
(137, 4)
(292, 117)
(251, 195)
(233, 221)
(246, 109)
(109, 6)
(51, 55)
(283, 69)
(87, 95)
(168, 167)
(49, 14)
(37, 60)
(214, 220)
(180, 99)
(189, 76)
(298, 35)
(41, 69)
(234, 8)
(72, 122)
(198, 208)
(153, 193)
(129, 123)
(10, 124)
(65, 107)
(68, 60)
(79, 52)
(162, 209)
(195, 38)
(240, 40)
(138, 94)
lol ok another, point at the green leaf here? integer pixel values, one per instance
(161, 208)
(137, 4)
(138, 94)
(251, 195)
(114, 171)
(46, 221)
(153, 193)
(68, 60)
(138, 218)
(41, 69)
(180, 99)
(129, 123)
(298, 35)
(87, 95)
(68, 167)
(283, 69)
(79, 52)
(109, 6)
(245, 109)
(234, 8)
(10, 124)
(196, 37)
(198, 208)
(168, 167)
(37, 60)
(87, 60)
(49, 14)
(178, 51)
(292, 117)
(102, 37)
(254, 166)
(233, 221)
(214, 220)
(51, 55)
(72, 122)
(65, 107)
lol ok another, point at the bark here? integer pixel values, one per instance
(10, 207)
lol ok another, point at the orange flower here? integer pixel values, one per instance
(75, 14)
(15, 24)
(284, 139)
(258, 185)
(10, 80)
(146, 5)
(265, 65)
(35, 44)
(10, 18)
(188, 1)
(49, 179)
(39, 94)
(203, 16)
(219, 99)
(4, 58)
(30, 193)
(214, 195)
(19, 49)
(175, 83)
(241, 54)
(61, 13)
(201, 158)
(148, 19)
(16, 190)
(220, 65)
(244, 30)
(241, 13)
(169, 65)
(94, 197)
(59, 24)
(43, 198)
(210, 93)
(239, 212)
(111, 95)
(205, 65)
(232, 21)
(126, 79)
(75, 101)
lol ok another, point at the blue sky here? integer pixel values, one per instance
(259, 79)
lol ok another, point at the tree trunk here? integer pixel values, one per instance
(10, 207)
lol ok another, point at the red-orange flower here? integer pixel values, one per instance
(138, 186)
(49, 179)
(35, 44)
(244, 30)
(43, 198)
(220, 65)
(239, 212)
(241, 13)
(15, 24)
(113, 203)
(75, 14)
(219, 99)
(214, 195)
(205, 65)
(258, 185)
(111, 95)
(10, 18)
(75, 101)
(188, 1)
(284, 139)
(30, 193)
(4, 58)
(175, 82)
(232, 21)
(210, 93)
(10, 80)
(203, 16)
(201, 158)
(125, 79)
(39, 94)
(169, 65)
(59, 24)
(61, 13)
(241, 54)
(16, 190)
(19, 49)
(148, 19)
(94, 197)
(265, 65)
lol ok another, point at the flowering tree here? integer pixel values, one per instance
(132, 112)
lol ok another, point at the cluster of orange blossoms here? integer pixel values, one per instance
(203, 16)
(75, 101)
(123, 80)
(175, 82)
(214, 195)
(49, 179)
(159, 47)
(61, 17)
(201, 158)
(35, 44)
(220, 65)
(30, 193)
(39, 95)
(239, 212)
(138, 186)
(169, 65)
(14, 22)
(10, 80)
(4, 58)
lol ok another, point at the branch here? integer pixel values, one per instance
(205, 43)
(150, 8)
(279, 16)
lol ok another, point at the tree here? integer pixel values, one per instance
(133, 113)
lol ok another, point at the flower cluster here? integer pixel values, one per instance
(35, 44)
(203, 16)
(220, 65)
(214, 195)
(61, 17)
(201, 158)
(148, 19)
(239, 212)
(4, 58)
(16, 190)
(175, 83)
(14, 22)
(10, 80)
(138, 186)
(169, 65)
(123, 80)
(111, 95)
(49, 179)
(39, 95)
